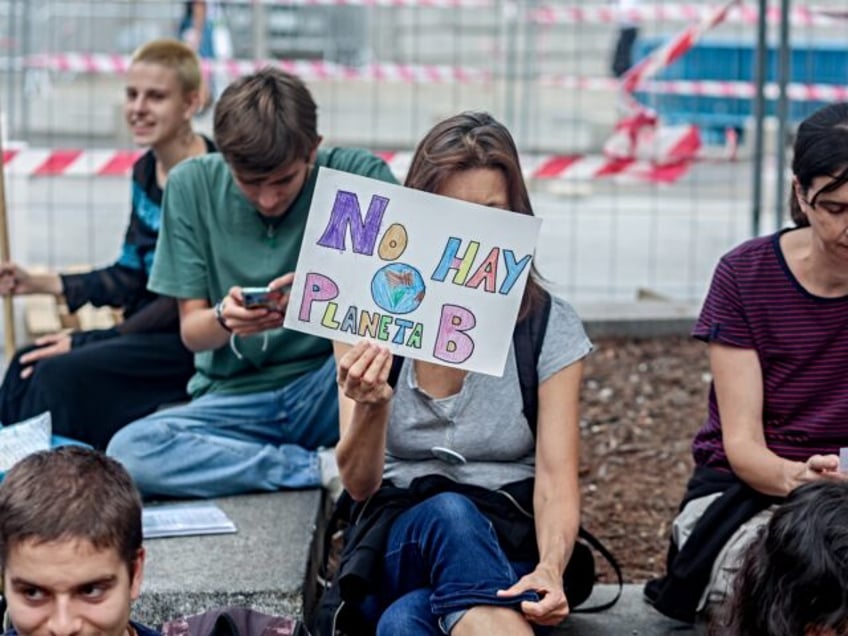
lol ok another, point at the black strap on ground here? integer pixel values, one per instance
(593, 541)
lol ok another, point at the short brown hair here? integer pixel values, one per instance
(464, 142)
(265, 121)
(175, 55)
(70, 493)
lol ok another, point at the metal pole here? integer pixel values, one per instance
(509, 15)
(759, 108)
(530, 72)
(12, 71)
(24, 49)
(8, 307)
(783, 71)
(259, 30)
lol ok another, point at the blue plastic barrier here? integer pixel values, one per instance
(726, 60)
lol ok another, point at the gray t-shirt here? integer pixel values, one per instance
(484, 422)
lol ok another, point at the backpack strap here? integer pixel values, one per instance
(593, 541)
(527, 338)
(394, 372)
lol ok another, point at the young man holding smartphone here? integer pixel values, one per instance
(264, 398)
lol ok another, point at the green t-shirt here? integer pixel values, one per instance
(212, 238)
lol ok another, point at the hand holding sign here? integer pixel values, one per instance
(363, 373)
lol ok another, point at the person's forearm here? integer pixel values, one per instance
(49, 283)
(361, 450)
(201, 331)
(557, 516)
(762, 469)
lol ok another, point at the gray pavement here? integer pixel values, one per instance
(631, 616)
(263, 565)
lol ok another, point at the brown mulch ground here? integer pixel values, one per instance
(642, 402)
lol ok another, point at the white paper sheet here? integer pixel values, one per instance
(184, 519)
(22, 439)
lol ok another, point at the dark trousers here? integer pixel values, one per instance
(94, 390)
(622, 57)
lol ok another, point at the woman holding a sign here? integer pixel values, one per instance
(443, 455)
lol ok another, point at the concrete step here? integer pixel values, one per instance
(263, 565)
(631, 616)
(266, 565)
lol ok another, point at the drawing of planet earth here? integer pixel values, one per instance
(398, 288)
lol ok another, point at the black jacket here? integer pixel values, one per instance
(510, 509)
(688, 570)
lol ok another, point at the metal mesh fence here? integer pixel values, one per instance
(384, 71)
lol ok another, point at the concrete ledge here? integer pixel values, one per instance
(630, 616)
(638, 319)
(263, 565)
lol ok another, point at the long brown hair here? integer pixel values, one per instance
(464, 142)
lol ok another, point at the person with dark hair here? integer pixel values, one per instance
(263, 397)
(203, 28)
(628, 32)
(71, 545)
(793, 580)
(441, 568)
(776, 321)
(96, 381)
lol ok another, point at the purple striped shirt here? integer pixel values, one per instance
(755, 302)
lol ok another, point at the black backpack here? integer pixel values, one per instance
(234, 621)
(579, 577)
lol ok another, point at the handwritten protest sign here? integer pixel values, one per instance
(430, 277)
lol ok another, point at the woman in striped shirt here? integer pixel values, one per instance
(776, 321)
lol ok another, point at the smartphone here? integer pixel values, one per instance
(257, 297)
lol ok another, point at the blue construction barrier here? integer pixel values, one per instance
(728, 60)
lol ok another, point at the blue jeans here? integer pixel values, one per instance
(442, 558)
(222, 444)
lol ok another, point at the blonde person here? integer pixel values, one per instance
(94, 382)
(439, 566)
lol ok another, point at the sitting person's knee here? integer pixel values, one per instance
(451, 508)
(410, 614)
(132, 447)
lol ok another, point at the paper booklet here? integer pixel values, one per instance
(185, 519)
(27, 437)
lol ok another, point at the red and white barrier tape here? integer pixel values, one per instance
(672, 50)
(666, 12)
(316, 71)
(425, 4)
(642, 129)
(103, 63)
(34, 162)
(706, 88)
